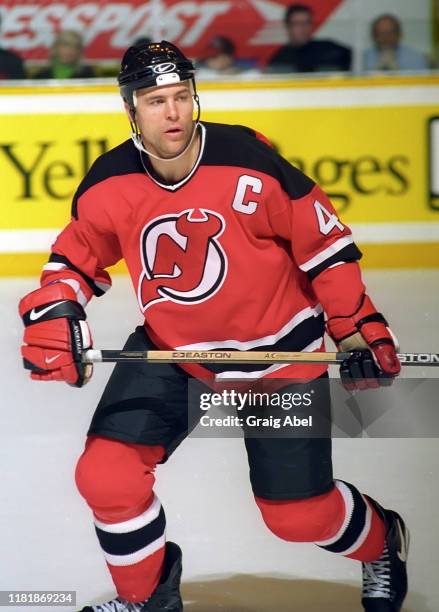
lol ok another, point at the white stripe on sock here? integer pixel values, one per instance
(349, 510)
(137, 556)
(365, 532)
(137, 522)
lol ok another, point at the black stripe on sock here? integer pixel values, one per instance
(127, 543)
(355, 526)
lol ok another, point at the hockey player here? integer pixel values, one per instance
(228, 247)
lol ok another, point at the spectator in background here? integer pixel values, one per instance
(11, 65)
(219, 58)
(303, 53)
(66, 59)
(387, 52)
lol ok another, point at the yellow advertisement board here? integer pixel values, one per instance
(43, 165)
(376, 157)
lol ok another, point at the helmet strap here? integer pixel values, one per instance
(197, 100)
(137, 140)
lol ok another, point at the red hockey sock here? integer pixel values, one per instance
(304, 520)
(116, 479)
(341, 521)
(362, 534)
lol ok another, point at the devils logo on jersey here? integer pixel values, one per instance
(182, 258)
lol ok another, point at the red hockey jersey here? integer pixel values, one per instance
(224, 259)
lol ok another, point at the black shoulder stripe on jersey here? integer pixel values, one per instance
(303, 334)
(350, 253)
(54, 258)
(248, 130)
(123, 159)
(236, 145)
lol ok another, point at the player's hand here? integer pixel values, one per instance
(374, 361)
(56, 334)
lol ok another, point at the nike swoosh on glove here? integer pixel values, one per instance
(56, 334)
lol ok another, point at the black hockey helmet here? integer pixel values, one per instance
(151, 65)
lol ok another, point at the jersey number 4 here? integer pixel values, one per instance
(327, 220)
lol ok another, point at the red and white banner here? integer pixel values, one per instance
(255, 26)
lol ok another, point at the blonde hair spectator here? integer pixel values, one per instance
(66, 58)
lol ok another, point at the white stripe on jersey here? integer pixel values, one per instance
(54, 266)
(298, 318)
(274, 368)
(335, 247)
(75, 285)
(102, 286)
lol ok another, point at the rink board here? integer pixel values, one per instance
(372, 144)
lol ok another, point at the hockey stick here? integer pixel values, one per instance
(96, 356)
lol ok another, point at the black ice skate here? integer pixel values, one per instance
(166, 597)
(385, 580)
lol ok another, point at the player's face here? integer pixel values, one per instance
(165, 118)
